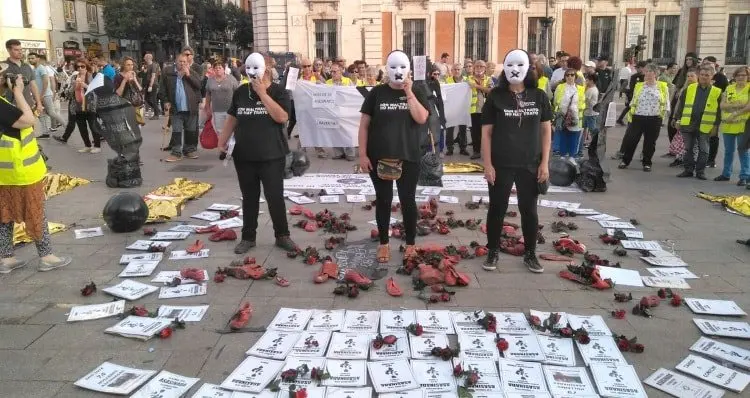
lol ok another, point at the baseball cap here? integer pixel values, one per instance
(590, 64)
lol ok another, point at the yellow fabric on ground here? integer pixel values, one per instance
(167, 201)
(461, 167)
(56, 183)
(20, 236)
(183, 187)
(738, 203)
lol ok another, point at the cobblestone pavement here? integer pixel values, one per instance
(41, 355)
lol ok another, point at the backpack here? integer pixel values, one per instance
(591, 176)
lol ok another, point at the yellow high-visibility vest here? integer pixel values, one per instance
(345, 81)
(542, 83)
(485, 83)
(663, 98)
(21, 162)
(734, 96)
(558, 100)
(709, 112)
(451, 80)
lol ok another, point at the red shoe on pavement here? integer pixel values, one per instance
(392, 288)
(241, 318)
(208, 230)
(224, 234)
(195, 274)
(357, 278)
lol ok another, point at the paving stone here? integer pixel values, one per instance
(24, 365)
(18, 337)
(29, 389)
(71, 364)
(17, 313)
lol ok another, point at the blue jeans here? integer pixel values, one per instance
(568, 142)
(731, 142)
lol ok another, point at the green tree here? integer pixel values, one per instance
(240, 25)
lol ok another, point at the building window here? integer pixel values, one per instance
(325, 38)
(92, 17)
(537, 33)
(69, 14)
(666, 29)
(477, 38)
(738, 39)
(602, 37)
(414, 37)
(25, 14)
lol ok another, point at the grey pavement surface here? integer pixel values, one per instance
(41, 355)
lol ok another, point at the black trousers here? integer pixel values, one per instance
(152, 101)
(83, 120)
(713, 148)
(407, 188)
(292, 121)
(646, 126)
(671, 131)
(527, 190)
(451, 139)
(624, 111)
(476, 132)
(251, 175)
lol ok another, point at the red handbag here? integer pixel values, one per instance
(208, 138)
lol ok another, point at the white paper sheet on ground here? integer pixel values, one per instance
(673, 272)
(391, 376)
(252, 375)
(110, 378)
(367, 191)
(88, 232)
(166, 385)
(336, 392)
(326, 321)
(184, 255)
(601, 350)
(489, 379)
(185, 313)
(434, 375)
(209, 390)
(304, 380)
(568, 381)
(723, 352)
(435, 321)
(291, 193)
(301, 200)
(512, 323)
(96, 311)
(312, 392)
(512, 200)
(714, 373)
(223, 207)
(521, 377)
(665, 261)
(672, 283)
(421, 198)
(267, 393)
(555, 204)
(291, 319)
(328, 198)
(356, 198)
(621, 276)
(629, 233)
(680, 386)
(641, 245)
(361, 321)
(185, 228)
(139, 268)
(482, 347)
(594, 324)
(617, 381)
(167, 292)
(392, 221)
(168, 276)
(431, 191)
(129, 289)
(170, 236)
(234, 222)
(603, 217)
(399, 350)
(139, 327)
(311, 344)
(452, 394)
(207, 216)
(421, 346)
(396, 321)
(522, 347)
(711, 327)
(416, 393)
(274, 344)
(144, 245)
(467, 322)
(478, 198)
(353, 345)
(616, 224)
(127, 258)
(335, 191)
(587, 212)
(544, 315)
(448, 199)
(557, 351)
(346, 373)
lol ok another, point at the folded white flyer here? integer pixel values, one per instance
(185, 228)
(616, 224)
(711, 327)
(601, 350)
(568, 381)
(640, 245)
(399, 350)
(724, 353)
(311, 344)
(416, 393)
(252, 375)
(349, 345)
(168, 276)
(435, 321)
(621, 276)
(234, 222)
(466, 322)
(144, 245)
(521, 377)
(629, 233)
(434, 374)
(137, 268)
(362, 392)
(96, 311)
(184, 255)
(127, 258)
(586, 212)
(88, 232)
(421, 346)
(680, 386)
(129, 289)
(274, 344)
(170, 236)
(714, 307)
(482, 346)
(593, 324)
(167, 292)
(335, 191)
(448, 199)
(207, 216)
(617, 381)
(184, 313)
(672, 272)
(223, 207)
(166, 385)
(356, 198)
(489, 378)
(139, 327)
(665, 261)
(396, 321)
(603, 217)
(346, 373)
(291, 193)
(558, 204)
(672, 283)
(208, 390)
(714, 373)
(512, 323)
(361, 321)
(114, 379)
(301, 199)
(328, 198)
(326, 321)
(557, 351)
(391, 376)
(431, 190)
(291, 319)
(302, 381)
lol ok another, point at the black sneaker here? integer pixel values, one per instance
(449, 152)
(721, 177)
(741, 183)
(647, 168)
(622, 165)
(620, 123)
(286, 243)
(244, 246)
(529, 259)
(490, 263)
(59, 139)
(711, 165)
(685, 174)
(43, 136)
(676, 163)
(700, 176)
(464, 152)
(475, 156)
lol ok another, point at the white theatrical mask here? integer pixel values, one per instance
(516, 66)
(398, 67)
(255, 66)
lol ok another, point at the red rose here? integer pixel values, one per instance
(353, 291)
(302, 393)
(502, 344)
(676, 300)
(219, 277)
(310, 260)
(584, 339)
(434, 298)
(618, 314)
(458, 371)
(139, 311)
(623, 345)
(473, 378)
(535, 320)
(314, 374)
(165, 333)
(390, 339)
(566, 332)
(445, 297)
(662, 293)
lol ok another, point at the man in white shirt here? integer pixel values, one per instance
(443, 66)
(625, 72)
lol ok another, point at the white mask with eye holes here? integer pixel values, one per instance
(516, 66)
(255, 66)
(398, 67)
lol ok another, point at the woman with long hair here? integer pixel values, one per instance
(219, 90)
(128, 87)
(735, 112)
(78, 114)
(516, 143)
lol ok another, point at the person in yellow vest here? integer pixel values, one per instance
(371, 76)
(22, 172)
(481, 85)
(338, 79)
(699, 117)
(568, 105)
(542, 81)
(648, 108)
(451, 138)
(735, 106)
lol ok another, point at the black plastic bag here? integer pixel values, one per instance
(591, 176)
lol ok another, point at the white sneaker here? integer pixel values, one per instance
(84, 150)
(96, 150)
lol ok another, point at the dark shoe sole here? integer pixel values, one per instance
(244, 247)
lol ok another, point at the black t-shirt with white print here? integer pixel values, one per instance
(393, 133)
(259, 138)
(516, 124)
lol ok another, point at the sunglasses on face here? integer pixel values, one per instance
(570, 75)
(307, 66)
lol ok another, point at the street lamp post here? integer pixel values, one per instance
(362, 33)
(547, 23)
(185, 19)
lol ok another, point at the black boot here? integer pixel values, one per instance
(529, 259)
(490, 264)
